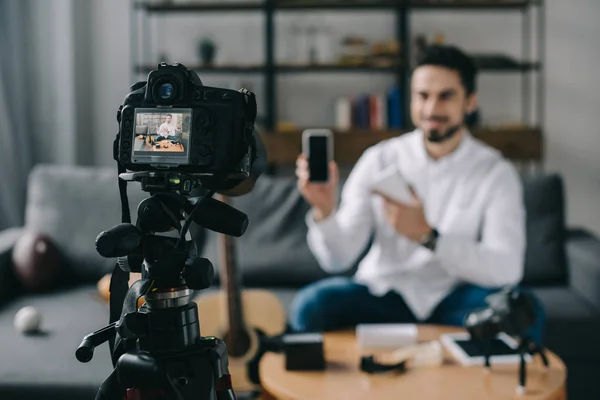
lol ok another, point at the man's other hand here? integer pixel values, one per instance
(407, 219)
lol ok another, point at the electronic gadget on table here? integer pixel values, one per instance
(467, 351)
(303, 351)
(392, 184)
(317, 146)
(386, 335)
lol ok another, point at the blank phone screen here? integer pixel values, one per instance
(318, 158)
(476, 348)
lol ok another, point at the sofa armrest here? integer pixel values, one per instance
(583, 257)
(8, 284)
(8, 238)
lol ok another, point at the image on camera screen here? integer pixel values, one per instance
(162, 132)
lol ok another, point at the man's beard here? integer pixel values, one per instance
(435, 136)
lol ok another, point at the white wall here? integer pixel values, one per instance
(51, 69)
(573, 102)
(572, 91)
(110, 44)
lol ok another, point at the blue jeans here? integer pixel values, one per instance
(339, 302)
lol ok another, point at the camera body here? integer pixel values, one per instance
(510, 311)
(172, 122)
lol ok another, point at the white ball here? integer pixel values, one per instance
(28, 320)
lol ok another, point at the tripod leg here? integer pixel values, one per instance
(487, 356)
(542, 352)
(522, 369)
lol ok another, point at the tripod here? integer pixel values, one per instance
(158, 350)
(526, 345)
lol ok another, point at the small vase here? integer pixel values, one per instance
(207, 50)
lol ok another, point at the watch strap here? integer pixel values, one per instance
(430, 240)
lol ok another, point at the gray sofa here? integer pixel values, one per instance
(72, 205)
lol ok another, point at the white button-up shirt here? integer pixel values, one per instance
(473, 197)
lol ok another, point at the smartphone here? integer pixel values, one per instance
(317, 146)
(391, 184)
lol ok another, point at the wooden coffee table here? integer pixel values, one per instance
(343, 379)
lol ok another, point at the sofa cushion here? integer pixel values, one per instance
(583, 254)
(563, 303)
(45, 364)
(572, 322)
(545, 260)
(73, 205)
(273, 251)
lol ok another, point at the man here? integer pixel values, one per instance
(436, 259)
(167, 130)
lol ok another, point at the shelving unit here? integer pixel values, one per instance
(522, 144)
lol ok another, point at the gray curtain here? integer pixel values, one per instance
(15, 114)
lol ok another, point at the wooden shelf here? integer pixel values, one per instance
(282, 68)
(193, 6)
(517, 67)
(474, 5)
(512, 66)
(167, 7)
(409, 4)
(221, 69)
(498, 62)
(335, 5)
(519, 144)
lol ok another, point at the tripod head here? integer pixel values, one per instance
(158, 347)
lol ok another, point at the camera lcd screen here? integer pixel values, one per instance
(161, 136)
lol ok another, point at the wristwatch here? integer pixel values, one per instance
(429, 240)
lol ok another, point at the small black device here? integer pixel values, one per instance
(303, 351)
(370, 366)
(213, 127)
(317, 146)
(512, 312)
(193, 138)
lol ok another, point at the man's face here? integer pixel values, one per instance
(439, 101)
(168, 119)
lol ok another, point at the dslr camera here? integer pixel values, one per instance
(175, 134)
(173, 123)
(510, 311)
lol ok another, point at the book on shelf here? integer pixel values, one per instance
(370, 111)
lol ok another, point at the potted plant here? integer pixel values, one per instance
(207, 49)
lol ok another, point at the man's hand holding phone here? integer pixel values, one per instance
(320, 195)
(317, 173)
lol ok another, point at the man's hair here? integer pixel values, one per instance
(451, 57)
(169, 115)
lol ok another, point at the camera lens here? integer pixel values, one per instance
(165, 91)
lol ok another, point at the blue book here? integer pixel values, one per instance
(395, 109)
(362, 111)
